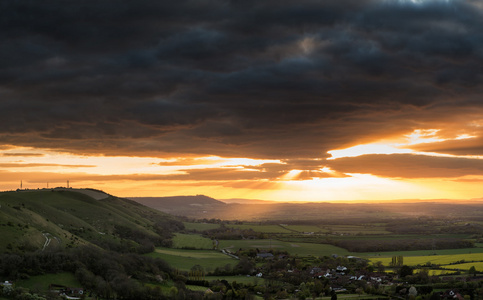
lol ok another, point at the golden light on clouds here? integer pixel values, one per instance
(367, 149)
(271, 179)
(292, 174)
(398, 145)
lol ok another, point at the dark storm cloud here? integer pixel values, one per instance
(262, 79)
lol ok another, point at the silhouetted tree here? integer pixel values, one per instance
(472, 270)
(405, 271)
(334, 296)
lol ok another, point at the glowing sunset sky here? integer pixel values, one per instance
(298, 100)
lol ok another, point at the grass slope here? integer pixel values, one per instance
(184, 260)
(191, 241)
(301, 249)
(42, 282)
(34, 219)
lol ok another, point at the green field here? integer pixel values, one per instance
(191, 241)
(42, 282)
(185, 259)
(200, 226)
(197, 288)
(356, 229)
(305, 228)
(262, 228)
(301, 249)
(395, 237)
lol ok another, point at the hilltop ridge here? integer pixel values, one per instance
(64, 218)
(93, 193)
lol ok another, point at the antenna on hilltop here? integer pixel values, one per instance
(67, 183)
(21, 184)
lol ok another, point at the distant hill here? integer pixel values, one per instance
(183, 205)
(179, 200)
(42, 219)
(203, 207)
(246, 201)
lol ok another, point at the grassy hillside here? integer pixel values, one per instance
(37, 219)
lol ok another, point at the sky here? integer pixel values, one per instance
(295, 100)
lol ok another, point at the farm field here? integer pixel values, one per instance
(436, 272)
(356, 229)
(200, 226)
(431, 272)
(185, 259)
(238, 279)
(401, 236)
(296, 246)
(466, 266)
(305, 228)
(42, 282)
(197, 288)
(261, 228)
(441, 260)
(336, 229)
(301, 249)
(164, 286)
(191, 241)
(424, 252)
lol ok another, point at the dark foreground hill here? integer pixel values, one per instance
(63, 218)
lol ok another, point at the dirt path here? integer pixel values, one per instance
(47, 240)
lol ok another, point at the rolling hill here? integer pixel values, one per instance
(203, 207)
(198, 205)
(45, 219)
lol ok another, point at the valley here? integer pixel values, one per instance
(115, 248)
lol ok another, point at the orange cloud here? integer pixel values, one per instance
(36, 165)
(468, 146)
(409, 166)
(22, 154)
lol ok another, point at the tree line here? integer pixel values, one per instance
(106, 274)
